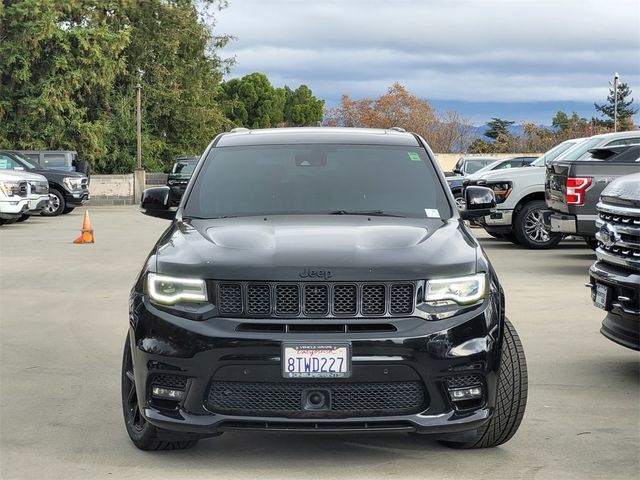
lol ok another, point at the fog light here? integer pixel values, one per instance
(167, 393)
(465, 393)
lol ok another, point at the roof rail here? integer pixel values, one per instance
(397, 129)
(239, 129)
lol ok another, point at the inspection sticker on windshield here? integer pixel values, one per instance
(432, 212)
(414, 156)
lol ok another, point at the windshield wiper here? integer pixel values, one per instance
(373, 213)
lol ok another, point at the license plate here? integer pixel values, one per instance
(601, 296)
(316, 361)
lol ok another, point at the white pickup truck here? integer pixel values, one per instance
(522, 215)
(21, 195)
(520, 197)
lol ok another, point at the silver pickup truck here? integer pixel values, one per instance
(572, 187)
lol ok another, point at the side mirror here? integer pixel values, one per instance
(155, 203)
(19, 169)
(479, 202)
(457, 171)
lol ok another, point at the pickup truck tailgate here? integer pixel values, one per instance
(555, 186)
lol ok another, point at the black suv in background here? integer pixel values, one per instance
(67, 190)
(319, 280)
(179, 177)
(615, 276)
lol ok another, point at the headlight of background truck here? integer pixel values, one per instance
(501, 190)
(9, 188)
(72, 183)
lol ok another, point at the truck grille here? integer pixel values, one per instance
(286, 399)
(309, 299)
(625, 221)
(22, 189)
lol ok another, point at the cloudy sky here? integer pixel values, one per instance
(517, 59)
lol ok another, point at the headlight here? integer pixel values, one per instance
(9, 188)
(72, 183)
(172, 290)
(501, 190)
(462, 290)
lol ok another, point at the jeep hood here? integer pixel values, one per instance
(351, 248)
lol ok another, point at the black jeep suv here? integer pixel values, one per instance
(319, 280)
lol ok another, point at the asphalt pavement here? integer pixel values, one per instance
(63, 320)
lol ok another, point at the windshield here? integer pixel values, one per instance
(27, 160)
(472, 166)
(553, 154)
(490, 167)
(185, 167)
(317, 179)
(581, 149)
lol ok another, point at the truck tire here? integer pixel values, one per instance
(459, 198)
(68, 210)
(529, 227)
(56, 204)
(23, 217)
(144, 435)
(511, 397)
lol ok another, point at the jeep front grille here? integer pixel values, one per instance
(314, 299)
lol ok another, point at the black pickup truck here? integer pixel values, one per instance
(573, 187)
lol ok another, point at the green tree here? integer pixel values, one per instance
(301, 108)
(251, 101)
(498, 128)
(68, 69)
(625, 108)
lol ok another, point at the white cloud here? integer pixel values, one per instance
(484, 50)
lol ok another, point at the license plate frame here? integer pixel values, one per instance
(319, 351)
(601, 298)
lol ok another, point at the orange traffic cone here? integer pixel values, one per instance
(87, 232)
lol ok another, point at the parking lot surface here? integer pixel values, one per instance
(63, 320)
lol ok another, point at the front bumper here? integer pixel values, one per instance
(38, 203)
(498, 218)
(214, 350)
(76, 198)
(584, 225)
(622, 321)
(10, 209)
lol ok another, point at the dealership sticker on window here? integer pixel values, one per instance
(414, 156)
(432, 213)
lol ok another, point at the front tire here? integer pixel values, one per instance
(24, 217)
(56, 204)
(511, 398)
(68, 210)
(530, 230)
(143, 435)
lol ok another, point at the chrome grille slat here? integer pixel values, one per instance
(315, 299)
(626, 222)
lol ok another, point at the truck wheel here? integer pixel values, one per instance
(459, 198)
(56, 204)
(23, 217)
(68, 210)
(529, 227)
(511, 398)
(143, 435)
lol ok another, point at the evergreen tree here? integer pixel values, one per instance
(498, 128)
(625, 108)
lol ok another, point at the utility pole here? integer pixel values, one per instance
(139, 177)
(138, 126)
(616, 79)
